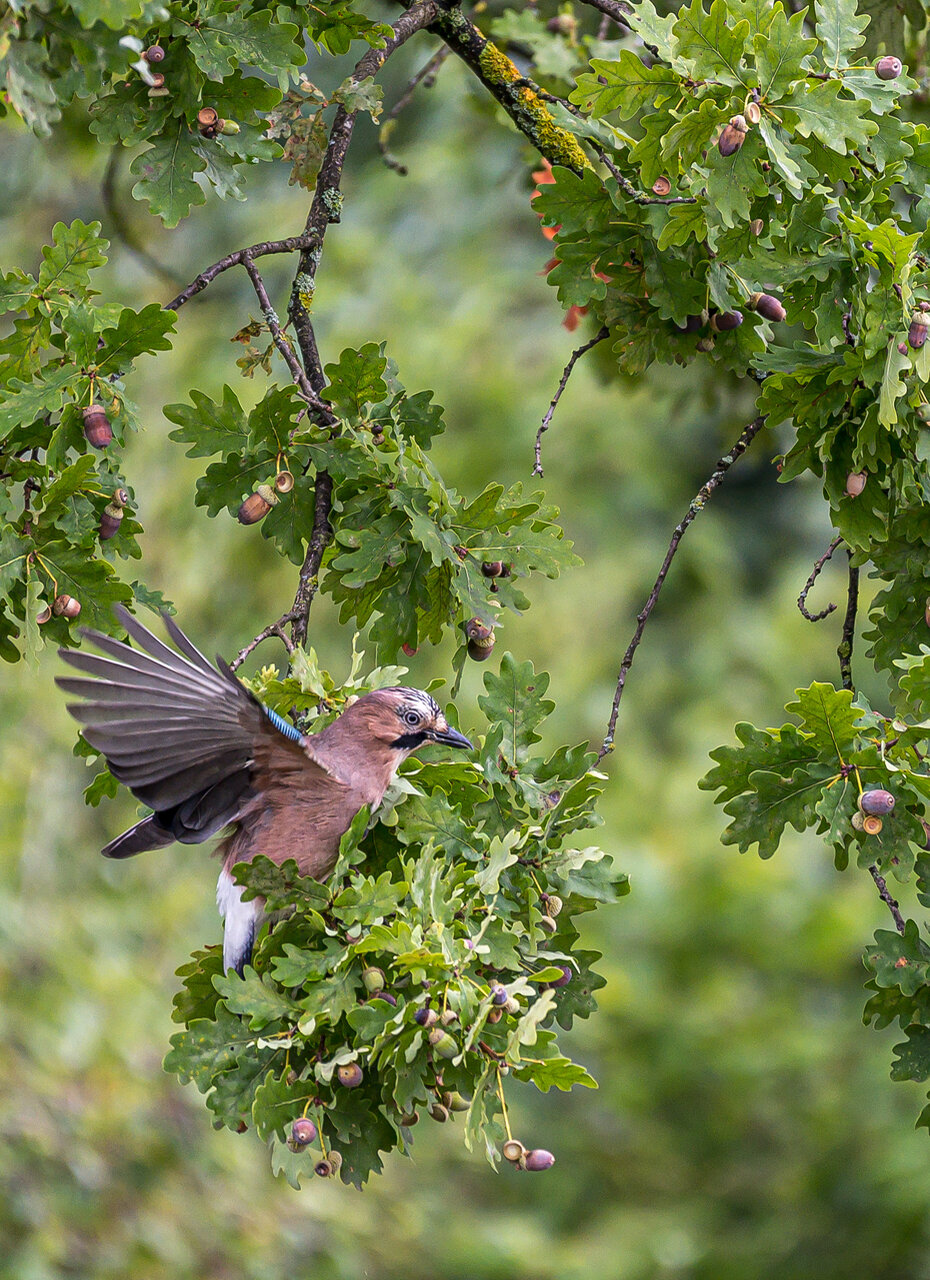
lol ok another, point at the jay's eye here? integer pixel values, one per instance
(412, 718)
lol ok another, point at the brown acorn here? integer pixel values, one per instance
(888, 68)
(97, 429)
(284, 482)
(871, 825)
(112, 515)
(409, 1119)
(855, 483)
(554, 905)
(492, 568)
(902, 348)
(257, 504)
(877, 802)
(733, 136)
(722, 321)
(538, 1160)
(480, 639)
(766, 305)
(44, 615)
(661, 186)
(756, 226)
(548, 924)
(66, 607)
(303, 1132)
(350, 1075)
(439, 1112)
(705, 344)
(917, 333)
(154, 53)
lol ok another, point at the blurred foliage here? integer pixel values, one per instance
(743, 1128)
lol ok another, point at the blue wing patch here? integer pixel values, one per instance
(283, 726)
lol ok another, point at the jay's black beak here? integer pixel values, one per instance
(451, 738)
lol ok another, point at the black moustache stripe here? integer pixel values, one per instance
(407, 741)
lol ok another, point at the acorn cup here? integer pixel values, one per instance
(44, 615)
(257, 505)
(917, 333)
(284, 482)
(97, 430)
(480, 639)
(888, 68)
(871, 825)
(756, 226)
(513, 1151)
(661, 186)
(208, 122)
(733, 136)
(753, 112)
(764, 304)
(66, 607)
(112, 515)
(855, 483)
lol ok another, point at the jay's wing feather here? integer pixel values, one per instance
(182, 735)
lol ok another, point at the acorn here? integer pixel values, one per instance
(553, 904)
(448, 1017)
(409, 1119)
(733, 136)
(387, 996)
(208, 122)
(66, 607)
(512, 1006)
(439, 1112)
(856, 821)
(495, 1014)
(335, 1160)
(927, 612)
(350, 1075)
(426, 1017)
(926, 827)
(373, 980)
(492, 568)
(548, 924)
(871, 825)
(902, 348)
(538, 1160)
(44, 615)
(661, 186)
(480, 639)
(97, 429)
(917, 333)
(753, 112)
(284, 482)
(112, 515)
(303, 1132)
(722, 321)
(877, 802)
(456, 1102)
(323, 1169)
(756, 226)
(705, 344)
(442, 1043)
(154, 53)
(257, 504)
(513, 1151)
(766, 305)
(563, 24)
(229, 128)
(855, 483)
(889, 67)
(499, 995)
(692, 324)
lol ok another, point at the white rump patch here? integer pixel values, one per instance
(241, 922)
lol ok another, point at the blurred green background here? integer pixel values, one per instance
(745, 1127)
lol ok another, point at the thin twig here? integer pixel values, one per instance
(845, 648)
(563, 382)
(886, 897)
(620, 13)
(273, 629)
(425, 76)
(287, 351)
(697, 505)
(639, 196)
(207, 276)
(802, 598)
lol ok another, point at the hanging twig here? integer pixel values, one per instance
(698, 503)
(886, 897)
(845, 649)
(802, 598)
(425, 76)
(563, 382)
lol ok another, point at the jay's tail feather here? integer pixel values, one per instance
(146, 834)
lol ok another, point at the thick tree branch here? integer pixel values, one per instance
(563, 383)
(698, 503)
(287, 351)
(199, 283)
(815, 572)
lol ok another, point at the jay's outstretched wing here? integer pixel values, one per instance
(180, 733)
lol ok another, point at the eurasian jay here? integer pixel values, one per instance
(198, 748)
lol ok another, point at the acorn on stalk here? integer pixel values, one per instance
(64, 606)
(154, 53)
(257, 504)
(538, 1160)
(303, 1132)
(480, 638)
(889, 67)
(97, 429)
(917, 333)
(877, 802)
(723, 321)
(112, 515)
(733, 136)
(765, 304)
(855, 483)
(350, 1075)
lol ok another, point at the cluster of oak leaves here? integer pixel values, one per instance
(432, 965)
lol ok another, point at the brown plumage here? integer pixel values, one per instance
(191, 742)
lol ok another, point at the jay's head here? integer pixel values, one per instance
(404, 719)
